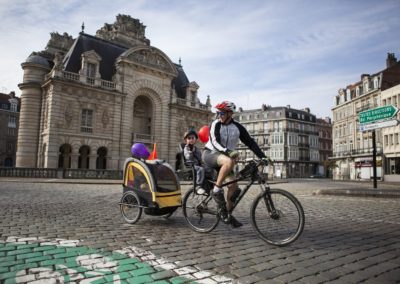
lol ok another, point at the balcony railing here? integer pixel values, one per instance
(88, 80)
(355, 152)
(143, 138)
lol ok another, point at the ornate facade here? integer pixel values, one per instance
(85, 101)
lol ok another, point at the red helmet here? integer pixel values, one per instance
(226, 106)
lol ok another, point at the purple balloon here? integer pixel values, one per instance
(140, 151)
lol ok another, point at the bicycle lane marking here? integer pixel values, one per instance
(38, 260)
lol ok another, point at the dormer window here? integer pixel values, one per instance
(91, 70)
(13, 107)
(90, 66)
(366, 87)
(376, 83)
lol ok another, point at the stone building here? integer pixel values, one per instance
(85, 101)
(391, 137)
(324, 129)
(9, 120)
(288, 136)
(352, 152)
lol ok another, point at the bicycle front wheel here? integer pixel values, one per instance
(277, 217)
(200, 212)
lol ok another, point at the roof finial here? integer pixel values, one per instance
(83, 27)
(180, 61)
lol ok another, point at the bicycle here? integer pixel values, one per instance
(276, 215)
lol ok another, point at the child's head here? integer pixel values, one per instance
(190, 137)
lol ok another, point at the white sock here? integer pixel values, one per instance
(216, 189)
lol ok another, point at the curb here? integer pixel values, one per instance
(359, 192)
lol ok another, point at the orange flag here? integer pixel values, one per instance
(153, 155)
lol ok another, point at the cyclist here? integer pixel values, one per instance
(220, 152)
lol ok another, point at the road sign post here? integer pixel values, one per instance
(374, 119)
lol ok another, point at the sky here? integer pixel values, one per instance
(253, 52)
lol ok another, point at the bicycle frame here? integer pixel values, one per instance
(254, 177)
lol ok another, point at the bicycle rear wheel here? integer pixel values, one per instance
(277, 217)
(200, 212)
(130, 207)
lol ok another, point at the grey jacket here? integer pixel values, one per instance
(192, 156)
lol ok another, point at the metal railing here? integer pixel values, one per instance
(28, 172)
(60, 173)
(91, 174)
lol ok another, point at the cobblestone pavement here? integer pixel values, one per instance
(74, 232)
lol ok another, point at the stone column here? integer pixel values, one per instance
(29, 121)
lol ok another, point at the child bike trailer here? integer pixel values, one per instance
(150, 186)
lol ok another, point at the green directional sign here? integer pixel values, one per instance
(377, 114)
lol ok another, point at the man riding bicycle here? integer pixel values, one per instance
(220, 153)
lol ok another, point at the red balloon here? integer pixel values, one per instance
(204, 132)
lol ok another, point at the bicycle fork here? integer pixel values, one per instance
(269, 203)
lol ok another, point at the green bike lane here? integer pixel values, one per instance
(37, 260)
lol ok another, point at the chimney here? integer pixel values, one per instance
(288, 106)
(328, 119)
(264, 107)
(307, 110)
(391, 60)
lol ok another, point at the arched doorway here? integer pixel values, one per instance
(64, 156)
(101, 160)
(143, 119)
(83, 161)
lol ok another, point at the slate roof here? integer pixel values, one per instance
(180, 83)
(109, 52)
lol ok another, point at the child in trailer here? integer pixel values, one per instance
(192, 155)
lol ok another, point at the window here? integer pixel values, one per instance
(12, 131)
(13, 107)
(396, 138)
(9, 147)
(386, 140)
(12, 122)
(91, 70)
(266, 127)
(87, 121)
(193, 96)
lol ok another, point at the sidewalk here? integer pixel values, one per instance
(363, 189)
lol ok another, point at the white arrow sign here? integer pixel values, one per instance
(371, 126)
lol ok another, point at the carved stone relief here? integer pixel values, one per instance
(68, 115)
(105, 118)
(150, 58)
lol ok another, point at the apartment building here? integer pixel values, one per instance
(352, 150)
(324, 129)
(288, 136)
(9, 120)
(391, 139)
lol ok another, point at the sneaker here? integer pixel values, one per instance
(219, 197)
(200, 190)
(225, 216)
(234, 222)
